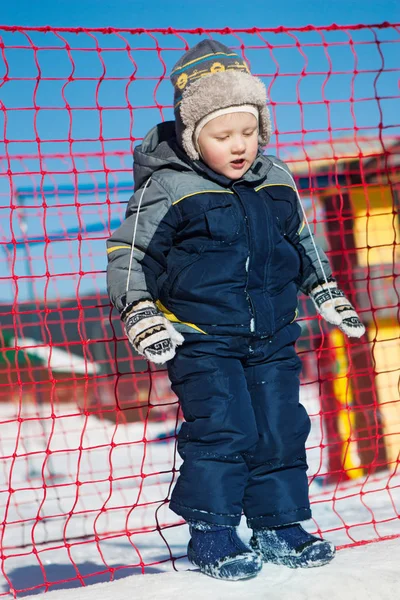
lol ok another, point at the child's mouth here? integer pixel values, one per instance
(238, 163)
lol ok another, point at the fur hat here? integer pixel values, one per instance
(210, 77)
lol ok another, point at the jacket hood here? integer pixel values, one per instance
(159, 150)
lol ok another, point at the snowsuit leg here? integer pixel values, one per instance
(243, 442)
(208, 378)
(277, 488)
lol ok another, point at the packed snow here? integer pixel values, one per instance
(103, 516)
(363, 573)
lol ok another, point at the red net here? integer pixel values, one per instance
(87, 429)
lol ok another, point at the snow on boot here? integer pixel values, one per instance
(219, 552)
(292, 546)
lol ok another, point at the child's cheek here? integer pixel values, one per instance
(216, 155)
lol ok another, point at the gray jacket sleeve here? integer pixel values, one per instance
(130, 273)
(315, 263)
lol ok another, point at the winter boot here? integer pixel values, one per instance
(219, 552)
(292, 546)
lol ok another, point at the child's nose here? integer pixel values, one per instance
(238, 146)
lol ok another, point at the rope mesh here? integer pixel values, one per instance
(87, 429)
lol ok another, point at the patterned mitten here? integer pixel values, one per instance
(333, 306)
(150, 333)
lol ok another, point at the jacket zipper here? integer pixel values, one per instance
(247, 264)
(270, 226)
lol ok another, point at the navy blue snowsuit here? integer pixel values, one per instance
(224, 261)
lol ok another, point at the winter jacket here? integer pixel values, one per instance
(217, 255)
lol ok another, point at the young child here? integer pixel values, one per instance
(205, 271)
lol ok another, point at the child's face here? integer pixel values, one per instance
(229, 144)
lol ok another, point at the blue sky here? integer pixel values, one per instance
(199, 13)
(65, 257)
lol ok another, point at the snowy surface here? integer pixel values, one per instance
(363, 573)
(57, 359)
(107, 460)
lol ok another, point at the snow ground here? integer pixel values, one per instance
(39, 519)
(368, 572)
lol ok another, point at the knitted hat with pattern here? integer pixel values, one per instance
(210, 77)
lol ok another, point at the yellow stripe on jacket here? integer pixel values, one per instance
(174, 319)
(113, 248)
